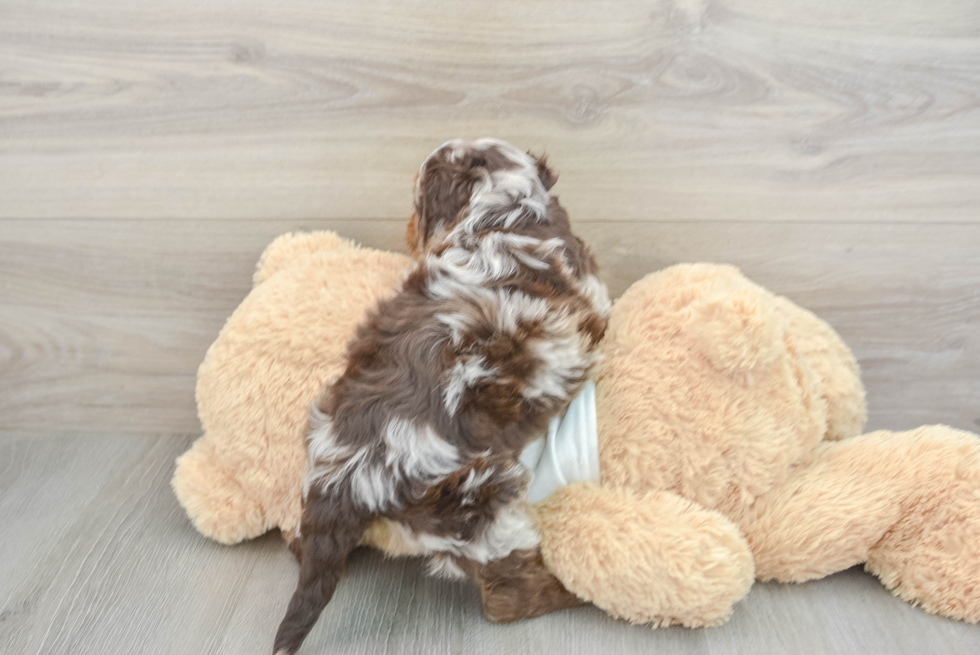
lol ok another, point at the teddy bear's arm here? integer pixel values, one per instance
(908, 505)
(651, 558)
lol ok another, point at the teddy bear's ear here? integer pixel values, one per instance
(738, 330)
(214, 498)
(289, 248)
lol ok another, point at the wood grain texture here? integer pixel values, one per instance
(105, 322)
(669, 110)
(105, 563)
(149, 151)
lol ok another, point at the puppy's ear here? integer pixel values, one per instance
(444, 190)
(548, 177)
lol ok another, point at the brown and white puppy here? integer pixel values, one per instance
(491, 334)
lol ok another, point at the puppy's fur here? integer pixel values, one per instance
(491, 334)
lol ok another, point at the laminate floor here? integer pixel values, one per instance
(150, 150)
(98, 559)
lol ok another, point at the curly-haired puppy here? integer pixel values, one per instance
(490, 335)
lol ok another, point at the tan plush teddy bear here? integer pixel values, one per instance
(726, 421)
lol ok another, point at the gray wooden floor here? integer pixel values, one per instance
(149, 151)
(97, 558)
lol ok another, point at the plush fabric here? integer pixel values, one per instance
(728, 426)
(244, 476)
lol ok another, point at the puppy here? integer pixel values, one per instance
(489, 336)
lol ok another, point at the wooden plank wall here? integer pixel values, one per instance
(148, 152)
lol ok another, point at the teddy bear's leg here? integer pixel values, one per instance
(908, 505)
(648, 558)
(215, 501)
(288, 247)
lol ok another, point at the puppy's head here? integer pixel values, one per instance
(459, 173)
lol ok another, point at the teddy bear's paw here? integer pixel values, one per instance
(931, 557)
(655, 559)
(214, 500)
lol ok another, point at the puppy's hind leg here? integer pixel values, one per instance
(518, 586)
(330, 531)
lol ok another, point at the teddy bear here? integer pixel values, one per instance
(729, 437)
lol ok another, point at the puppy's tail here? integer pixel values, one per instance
(332, 527)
